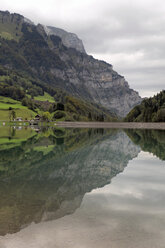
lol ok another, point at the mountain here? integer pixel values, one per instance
(150, 110)
(58, 59)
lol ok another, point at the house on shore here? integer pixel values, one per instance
(37, 118)
(18, 119)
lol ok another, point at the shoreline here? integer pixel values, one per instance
(71, 124)
(118, 125)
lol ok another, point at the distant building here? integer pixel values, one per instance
(37, 118)
(18, 119)
(35, 121)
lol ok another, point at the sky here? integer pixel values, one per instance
(129, 34)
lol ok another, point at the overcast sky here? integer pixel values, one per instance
(129, 34)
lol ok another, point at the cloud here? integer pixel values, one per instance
(128, 34)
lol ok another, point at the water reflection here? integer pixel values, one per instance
(127, 213)
(45, 175)
(149, 140)
(53, 173)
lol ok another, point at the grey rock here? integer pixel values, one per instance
(70, 40)
(96, 81)
(28, 21)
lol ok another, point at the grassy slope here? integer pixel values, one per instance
(46, 97)
(6, 102)
(21, 111)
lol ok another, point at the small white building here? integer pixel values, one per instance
(18, 119)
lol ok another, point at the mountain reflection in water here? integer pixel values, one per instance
(45, 175)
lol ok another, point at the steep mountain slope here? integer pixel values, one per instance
(28, 48)
(150, 110)
(18, 90)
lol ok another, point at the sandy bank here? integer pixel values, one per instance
(125, 125)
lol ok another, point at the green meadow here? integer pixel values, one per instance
(21, 111)
(45, 97)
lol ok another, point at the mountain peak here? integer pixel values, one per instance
(70, 40)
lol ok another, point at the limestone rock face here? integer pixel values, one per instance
(70, 40)
(96, 81)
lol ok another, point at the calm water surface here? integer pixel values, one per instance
(82, 188)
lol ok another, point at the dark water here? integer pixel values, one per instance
(82, 188)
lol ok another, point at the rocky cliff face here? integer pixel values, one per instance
(69, 40)
(97, 81)
(58, 58)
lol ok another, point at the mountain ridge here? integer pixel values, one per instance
(63, 67)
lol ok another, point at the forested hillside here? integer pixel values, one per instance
(150, 110)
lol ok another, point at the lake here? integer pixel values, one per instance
(82, 188)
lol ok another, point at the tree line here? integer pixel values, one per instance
(150, 110)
